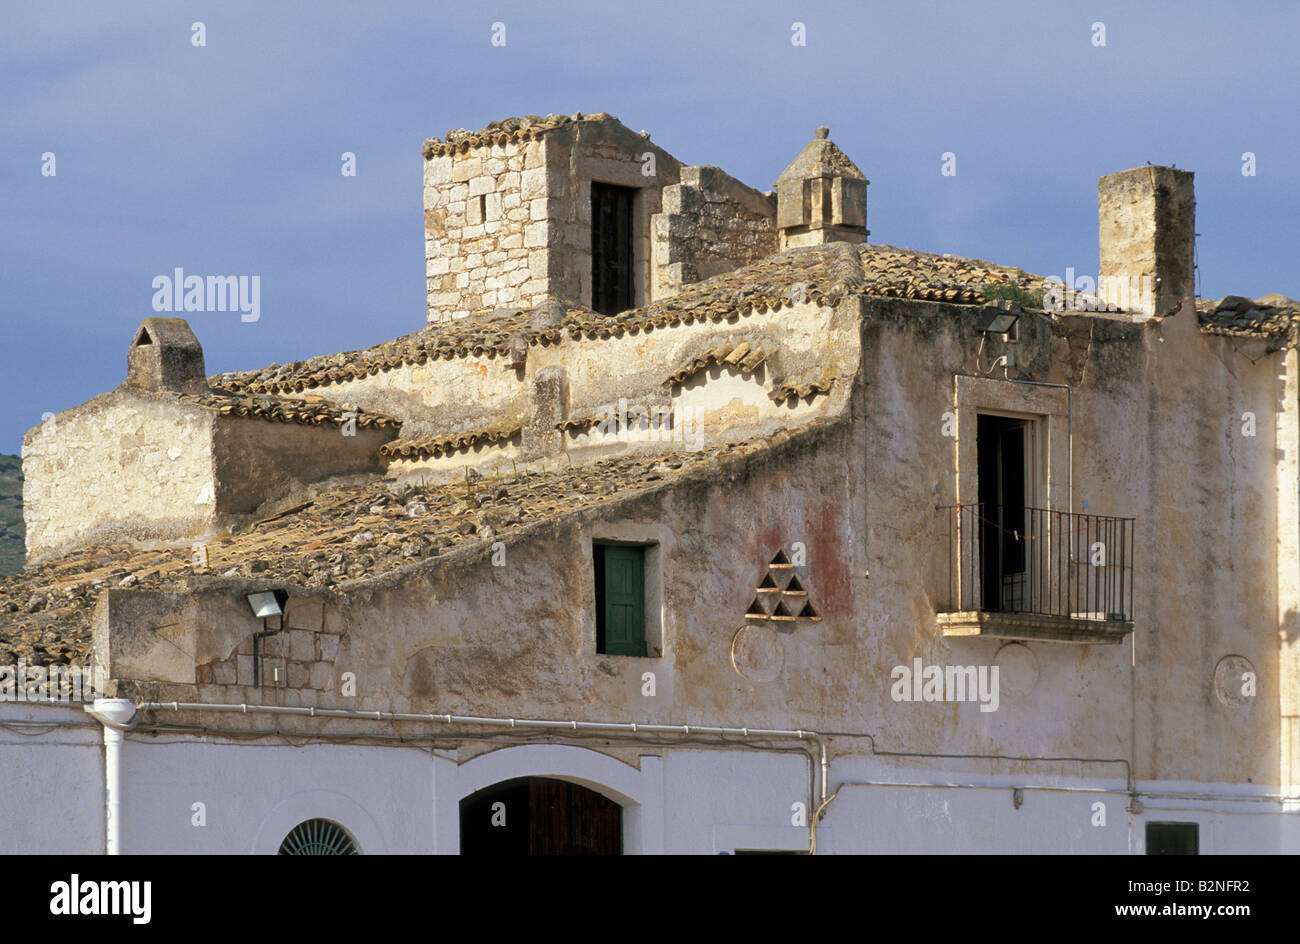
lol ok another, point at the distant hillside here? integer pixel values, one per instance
(12, 547)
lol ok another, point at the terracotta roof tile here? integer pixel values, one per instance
(784, 391)
(505, 131)
(641, 413)
(495, 337)
(309, 410)
(743, 356)
(1274, 317)
(908, 273)
(436, 446)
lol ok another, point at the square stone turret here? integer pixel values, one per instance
(821, 197)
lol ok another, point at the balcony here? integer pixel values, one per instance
(1016, 572)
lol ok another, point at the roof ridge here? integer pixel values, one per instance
(504, 131)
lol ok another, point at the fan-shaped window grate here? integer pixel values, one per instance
(318, 837)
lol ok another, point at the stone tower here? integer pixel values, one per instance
(821, 197)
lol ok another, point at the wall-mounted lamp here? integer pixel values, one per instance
(1003, 322)
(265, 604)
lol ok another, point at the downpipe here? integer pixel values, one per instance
(117, 715)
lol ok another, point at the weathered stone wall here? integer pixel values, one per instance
(124, 467)
(439, 396)
(134, 466)
(711, 223)
(206, 639)
(804, 342)
(259, 461)
(478, 211)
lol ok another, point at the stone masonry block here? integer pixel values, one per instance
(437, 170)
(535, 234)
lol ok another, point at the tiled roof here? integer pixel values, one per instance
(506, 131)
(1270, 316)
(769, 284)
(820, 274)
(464, 337)
(435, 446)
(908, 273)
(308, 410)
(354, 532)
(741, 355)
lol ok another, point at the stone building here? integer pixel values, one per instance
(692, 517)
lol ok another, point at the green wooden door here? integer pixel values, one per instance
(624, 600)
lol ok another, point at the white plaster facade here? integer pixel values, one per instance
(405, 800)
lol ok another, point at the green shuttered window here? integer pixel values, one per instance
(620, 599)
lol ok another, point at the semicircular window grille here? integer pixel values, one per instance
(318, 837)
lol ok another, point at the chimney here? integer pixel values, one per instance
(1147, 224)
(166, 356)
(821, 197)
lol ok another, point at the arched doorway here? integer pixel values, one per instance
(540, 816)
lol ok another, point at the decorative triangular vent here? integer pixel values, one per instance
(809, 613)
(781, 595)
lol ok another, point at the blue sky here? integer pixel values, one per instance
(225, 159)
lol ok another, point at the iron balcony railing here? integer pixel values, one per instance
(1039, 561)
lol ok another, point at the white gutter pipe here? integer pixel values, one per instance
(621, 727)
(116, 715)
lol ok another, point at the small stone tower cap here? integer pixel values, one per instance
(166, 356)
(821, 197)
(821, 158)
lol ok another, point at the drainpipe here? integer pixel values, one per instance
(116, 715)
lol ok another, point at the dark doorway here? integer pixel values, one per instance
(612, 288)
(1002, 444)
(540, 816)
